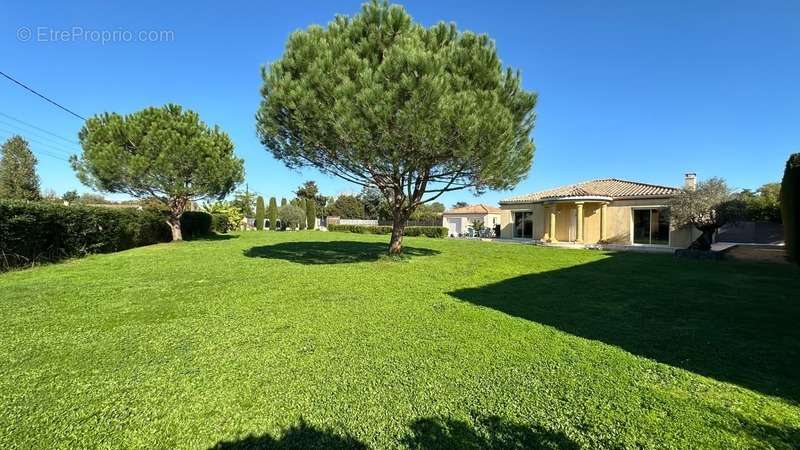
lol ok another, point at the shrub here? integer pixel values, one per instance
(790, 203)
(195, 224)
(219, 223)
(432, 232)
(32, 233)
(231, 213)
(260, 213)
(291, 216)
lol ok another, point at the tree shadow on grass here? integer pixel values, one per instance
(485, 432)
(730, 321)
(333, 252)
(300, 436)
(213, 237)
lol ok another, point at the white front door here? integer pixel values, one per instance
(454, 225)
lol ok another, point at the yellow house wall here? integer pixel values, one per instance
(540, 219)
(507, 219)
(618, 221)
(564, 213)
(591, 223)
(506, 225)
(620, 217)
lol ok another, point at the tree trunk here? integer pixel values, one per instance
(704, 241)
(175, 226)
(399, 219)
(176, 208)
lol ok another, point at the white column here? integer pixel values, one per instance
(603, 209)
(579, 234)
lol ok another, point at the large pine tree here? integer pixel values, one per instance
(18, 179)
(167, 154)
(382, 101)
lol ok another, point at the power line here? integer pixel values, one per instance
(42, 96)
(38, 128)
(43, 152)
(28, 138)
(28, 134)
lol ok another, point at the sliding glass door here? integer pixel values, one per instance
(651, 226)
(523, 224)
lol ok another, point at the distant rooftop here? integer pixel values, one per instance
(474, 209)
(611, 188)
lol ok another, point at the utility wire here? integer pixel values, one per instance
(71, 141)
(42, 96)
(27, 133)
(38, 142)
(40, 152)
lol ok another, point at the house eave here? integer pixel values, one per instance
(583, 198)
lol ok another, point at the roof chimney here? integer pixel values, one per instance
(690, 181)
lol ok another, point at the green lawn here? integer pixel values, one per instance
(290, 340)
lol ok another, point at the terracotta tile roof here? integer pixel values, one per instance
(474, 209)
(608, 187)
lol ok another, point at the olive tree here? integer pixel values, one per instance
(382, 101)
(291, 216)
(167, 154)
(707, 207)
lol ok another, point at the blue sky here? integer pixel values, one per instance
(636, 90)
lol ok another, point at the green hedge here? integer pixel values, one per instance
(790, 204)
(219, 223)
(32, 233)
(195, 224)
(432, 232)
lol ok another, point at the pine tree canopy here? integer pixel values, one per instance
(157, 152)
(379, 100)
(164, 153)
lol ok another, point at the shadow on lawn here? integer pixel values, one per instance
(487, 432)
(213, 237)
(729, 321)
(333, 252)
(301, 436)
(424, 434)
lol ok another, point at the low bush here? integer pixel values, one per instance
(195, 224)
(432, 232)
(32, 233)
(219, 223)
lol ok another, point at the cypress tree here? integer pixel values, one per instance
(273, 214)
(283, 202)
(302, 204)
(260, 213)
(18, 179)
(311, 213)
(790, 203)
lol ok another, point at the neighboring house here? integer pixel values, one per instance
(606, 211)
(458, 220)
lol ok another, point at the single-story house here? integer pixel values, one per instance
(458, 220)
(605, 211)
